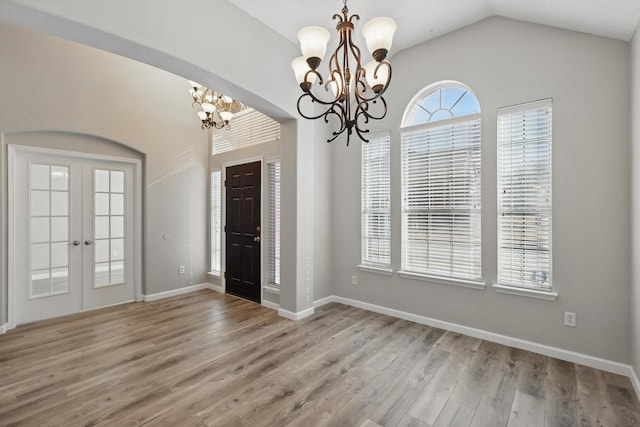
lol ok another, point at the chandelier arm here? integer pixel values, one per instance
(314, 98)
(363, 109)
(336, 69)
(341, 117)
(331, 105)
(360, 133)
(320, 79)
(384, 86)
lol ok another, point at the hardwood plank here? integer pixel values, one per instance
(626, 407)
(369, 423)
(533, 372)
(409, 421)
(594, 409)
(561, 393)
(526, 411)
(396, 404)
(591, 381)
(495, 404)
(210, 359)
(482, 372)
(435, 395)
(454, 414)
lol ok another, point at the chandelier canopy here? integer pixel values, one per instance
(216, 109)
(353, 92)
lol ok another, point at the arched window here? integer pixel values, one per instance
(441, 184)
(442, 101)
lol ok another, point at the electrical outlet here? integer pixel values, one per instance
(569, 319)
(354, 280)
(181, 269)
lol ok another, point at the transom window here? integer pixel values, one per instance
(441, 183)
(446, 101)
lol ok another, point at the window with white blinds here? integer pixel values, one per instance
(273, 171)
(441, 233)
(524, 195)
(216, 219)
(248, 127)
(376, 204)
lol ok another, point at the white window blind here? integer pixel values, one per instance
(441, 198)
(524, 195)
(216, 220)
(248, 127)
(376, 206)
(273, 170)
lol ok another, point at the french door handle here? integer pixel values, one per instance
(88, 242)
(75, 242)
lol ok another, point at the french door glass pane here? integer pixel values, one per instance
(109, 227)
(49, 229)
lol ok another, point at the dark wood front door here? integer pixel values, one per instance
(243, 231)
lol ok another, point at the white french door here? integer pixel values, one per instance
(73, 233)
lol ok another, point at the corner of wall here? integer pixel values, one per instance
(635, 202)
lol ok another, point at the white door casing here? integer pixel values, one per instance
(74, 232)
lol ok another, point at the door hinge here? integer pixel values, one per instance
(225, 274)
(225, 228)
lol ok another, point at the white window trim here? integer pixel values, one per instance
(526, 292)
(375, 269)
(464, 283)
(272, 289)
(444, 122)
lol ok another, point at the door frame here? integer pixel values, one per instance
(223, 213)
(13, 150)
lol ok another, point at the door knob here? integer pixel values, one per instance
(75, 242)
(256, 239)
(87, 242)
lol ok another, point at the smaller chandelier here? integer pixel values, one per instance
(217, 109)
(352, 91)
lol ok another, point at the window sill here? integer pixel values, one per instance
(372, 269)
(525, 292)
(472, 284)
(214, 274)
(272, 289)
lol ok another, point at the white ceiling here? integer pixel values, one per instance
(421, 20)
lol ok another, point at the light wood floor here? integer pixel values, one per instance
(210, 359)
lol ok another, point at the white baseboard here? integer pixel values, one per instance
(271, 305)
(322, 301)
(4, 328)
(295, 316)
(217, 288)
(179, 291)
(558, 353)
(633, 376)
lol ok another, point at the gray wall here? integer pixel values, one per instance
(168, 39)
(82, 99)
(508, 62)
(635, 197)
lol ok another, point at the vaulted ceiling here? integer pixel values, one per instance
(421, 20)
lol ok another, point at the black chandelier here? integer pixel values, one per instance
(352, 93)
(217, 109)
